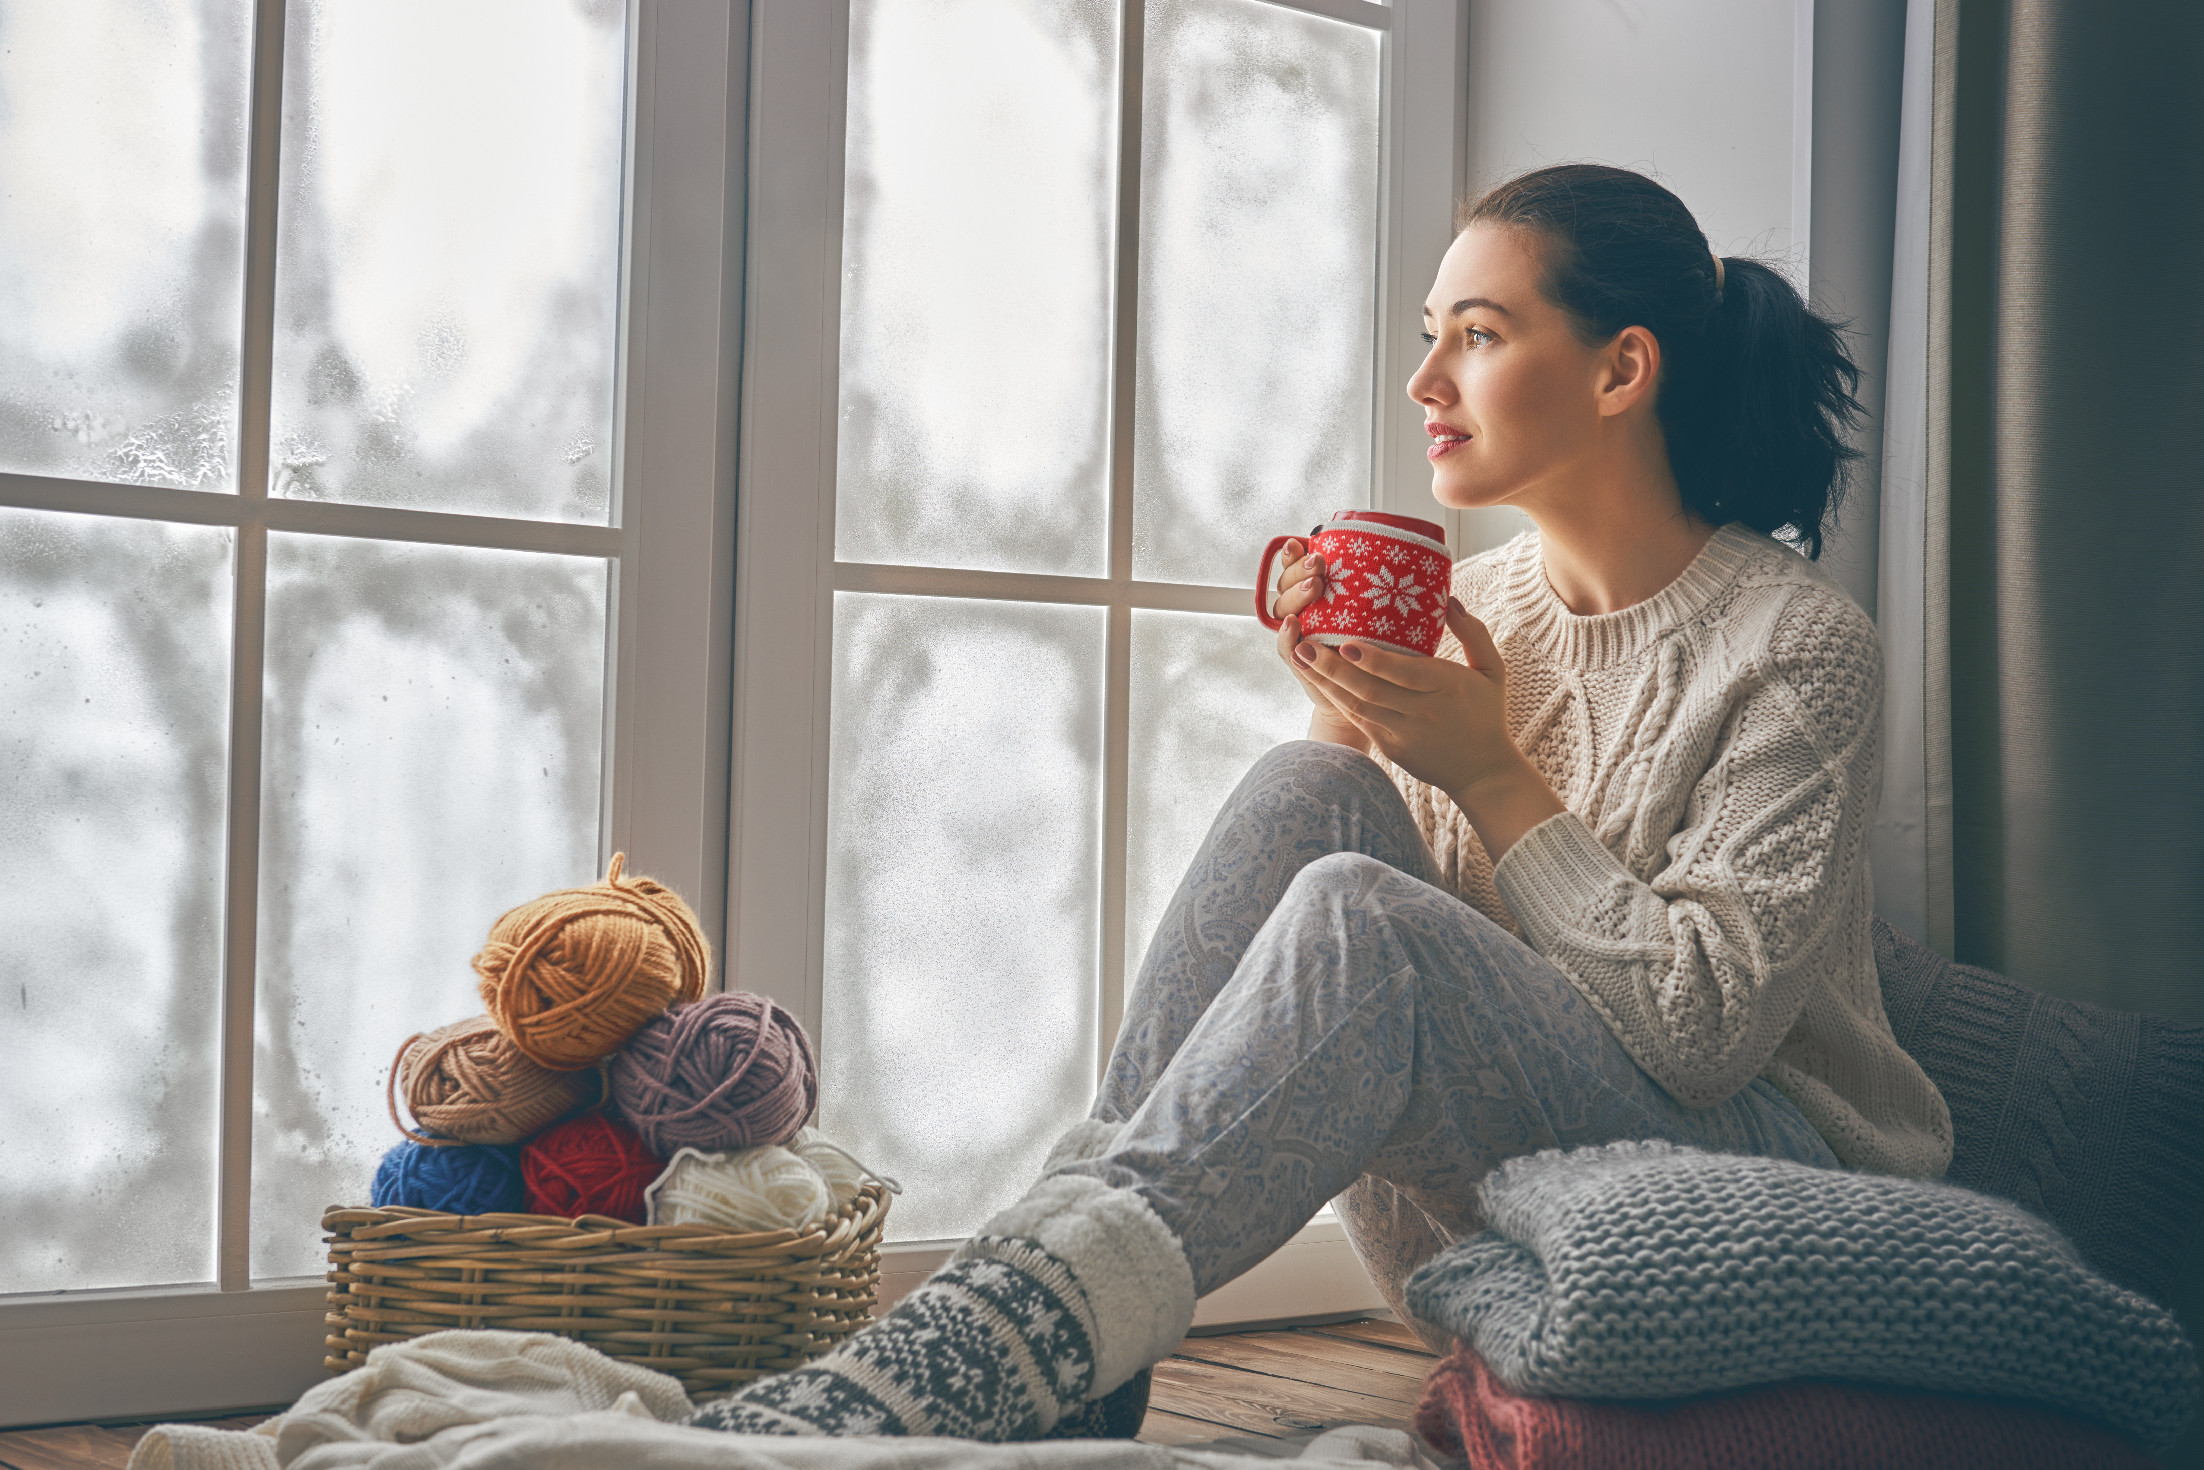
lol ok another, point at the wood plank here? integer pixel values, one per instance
(1322, 1352)
(1383, 1334)
(68, 1447)
(1161, 1427)
(1252, 1355)
(1254, 1403)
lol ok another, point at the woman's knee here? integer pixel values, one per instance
(1345, 876)
(1337, 773)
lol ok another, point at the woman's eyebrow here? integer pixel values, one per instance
(1468, 303)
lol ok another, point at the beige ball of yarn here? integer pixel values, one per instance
(843, 1174)
(765, 1188)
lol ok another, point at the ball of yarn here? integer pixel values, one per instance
(766, 1188)
(588, 1166)
(844, 1175)
(727, 1072)
(467, 1082)
(569, 976)
(471, 1179)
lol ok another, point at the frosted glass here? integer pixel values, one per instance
(447, 264)
(1208, 697)
(114, 735)
(122, 207)
(432, 758)
(962, 894)
(1258, 276)
(976, 249)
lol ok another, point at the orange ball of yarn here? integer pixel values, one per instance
(569, 976)
(465, 1083)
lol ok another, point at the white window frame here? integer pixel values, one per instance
(240, 1344)
(786, 575)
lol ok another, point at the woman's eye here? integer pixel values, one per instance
(1477, 332)
(1428, 339)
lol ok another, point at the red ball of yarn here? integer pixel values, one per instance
(588, 1166)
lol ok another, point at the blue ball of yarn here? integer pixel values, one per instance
(474, 1179)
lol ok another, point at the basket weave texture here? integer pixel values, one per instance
(712, 1309)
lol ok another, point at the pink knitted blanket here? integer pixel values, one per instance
(1467, 1413)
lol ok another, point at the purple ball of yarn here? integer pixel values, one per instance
(726, 1072)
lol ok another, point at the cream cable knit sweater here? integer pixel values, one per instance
(1718, 747)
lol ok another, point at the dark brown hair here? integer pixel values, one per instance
(1755, 394)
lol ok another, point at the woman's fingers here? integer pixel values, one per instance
(1352, 690)
(1478, 649)
(1301, 584)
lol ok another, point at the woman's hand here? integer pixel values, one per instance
(1299, 584)
(1442, 722)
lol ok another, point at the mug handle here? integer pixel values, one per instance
(1262, 584)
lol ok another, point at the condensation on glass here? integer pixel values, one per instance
(447, 265)
(962, 894)
(976, 245)
(1258, 277)
(122, 208)
(1208, 697)
(114, 743)
(432, 757)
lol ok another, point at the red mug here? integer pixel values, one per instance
(1386, 580)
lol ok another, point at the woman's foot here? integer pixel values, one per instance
(1058, 1301)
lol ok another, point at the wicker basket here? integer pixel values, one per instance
(713, 1310)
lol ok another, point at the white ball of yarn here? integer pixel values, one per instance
(765, 1188)
(843, 1174)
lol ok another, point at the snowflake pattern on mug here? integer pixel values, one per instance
(1401, 593)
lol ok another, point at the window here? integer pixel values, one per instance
(1059, 308)
(364, 554)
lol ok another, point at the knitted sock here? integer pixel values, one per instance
(1059, 1300)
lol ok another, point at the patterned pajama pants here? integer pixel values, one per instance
(1315, 1018)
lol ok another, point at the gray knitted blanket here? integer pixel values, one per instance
(1646, 1270)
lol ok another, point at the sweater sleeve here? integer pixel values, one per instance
(1702, 966)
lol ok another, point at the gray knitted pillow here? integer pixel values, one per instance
(1645, 1270)
(2092, 1118)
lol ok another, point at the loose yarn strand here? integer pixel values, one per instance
(864, 1169)
(390, 1097)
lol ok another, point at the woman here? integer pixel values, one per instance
(1597, 871)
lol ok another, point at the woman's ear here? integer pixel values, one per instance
(1630, 366)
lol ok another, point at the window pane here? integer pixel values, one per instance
(962, 896)
(1208, 696)
(448, 254)
(122, 207)
(114, 738)
(1258, 274)
(432, 758)
(976, 284)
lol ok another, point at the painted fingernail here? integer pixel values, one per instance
(1306, 652)
(1351, 652)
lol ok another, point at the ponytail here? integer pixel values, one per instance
(1755, 398)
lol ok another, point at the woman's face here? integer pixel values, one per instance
(1510, 396)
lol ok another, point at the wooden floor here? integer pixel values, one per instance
(1248, 1386)
(1285, 1386)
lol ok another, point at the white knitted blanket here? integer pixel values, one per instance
(528, 1401)
(1647, 1270)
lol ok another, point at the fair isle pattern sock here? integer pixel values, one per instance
(1003, 1341)
(995, 1346)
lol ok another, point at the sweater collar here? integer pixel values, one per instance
(1604, 639)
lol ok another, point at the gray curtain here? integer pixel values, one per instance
(2043, 525)
(2077, 498)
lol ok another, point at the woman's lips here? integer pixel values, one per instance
(1444, 442)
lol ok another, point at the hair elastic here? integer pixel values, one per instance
(1718, 278)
